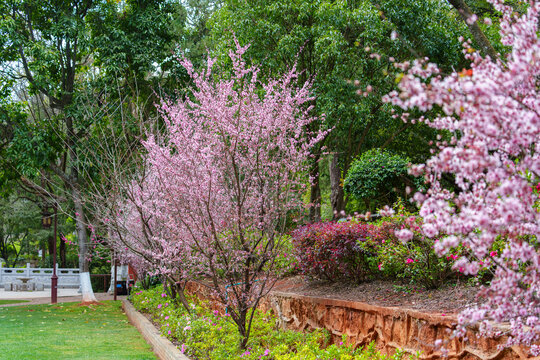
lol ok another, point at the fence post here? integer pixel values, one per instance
(27, 269)
(1, 266)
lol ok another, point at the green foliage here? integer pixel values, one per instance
(207, 334)
(135, 37)
(333, 43)
(20, 229)
(378, 175)
(285, 263)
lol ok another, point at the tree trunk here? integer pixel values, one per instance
(315, 197)
(337, 197)
(86, 285)
(50, 245)
(465, 12)
(242, 330)
(63, 254)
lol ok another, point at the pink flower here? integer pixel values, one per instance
(409, 260)
(404, 234)
(380, 266)
(169, 332)
(159, 306)
(167, 317)
(163, 295)
(493, 253)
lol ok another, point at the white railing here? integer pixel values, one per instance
(67, 278)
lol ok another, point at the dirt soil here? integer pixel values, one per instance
(449, 299)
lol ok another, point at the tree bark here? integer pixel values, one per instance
(465, 12)
(86, 286)
(63, 254)
(315, 196)
(337, 197)
(50, 245)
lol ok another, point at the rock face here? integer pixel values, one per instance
(390, 328)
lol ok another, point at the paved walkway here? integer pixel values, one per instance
(44, 297)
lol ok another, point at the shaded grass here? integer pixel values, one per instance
(5, 302)
(70, 331)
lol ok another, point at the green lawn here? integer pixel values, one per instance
(69, 331)
(5, 302)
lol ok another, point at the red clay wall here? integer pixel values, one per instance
(390, 328)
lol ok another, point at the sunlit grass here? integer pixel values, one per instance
(70, 331)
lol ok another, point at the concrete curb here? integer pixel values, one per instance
(162, 347)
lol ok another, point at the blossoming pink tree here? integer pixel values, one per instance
(493, 112)
(137, 231)
(228, 173)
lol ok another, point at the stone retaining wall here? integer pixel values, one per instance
(390, 328)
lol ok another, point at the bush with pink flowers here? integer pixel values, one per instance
(355, 251)
(414, 261)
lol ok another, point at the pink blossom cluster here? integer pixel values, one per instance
(493, 113)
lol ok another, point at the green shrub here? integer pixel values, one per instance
(378, 177)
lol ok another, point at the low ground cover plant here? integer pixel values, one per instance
(209, 334)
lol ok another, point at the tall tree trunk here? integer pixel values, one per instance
(337, 197)
(315, 197)
(86, 286)
(63, 254)
(465, 12)
(50, 244)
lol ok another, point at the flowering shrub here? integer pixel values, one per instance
(206, 334)
(355, 251)
(336, 251)
(415, 260)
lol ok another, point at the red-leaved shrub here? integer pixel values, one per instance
(337, 251)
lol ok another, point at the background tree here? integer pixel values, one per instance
(52, 48)
(348, 48)
(20, 226)
(378, 177)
